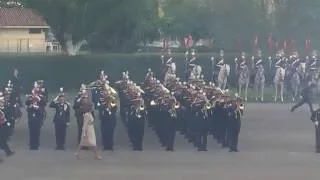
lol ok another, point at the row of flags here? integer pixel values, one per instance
(286, 45)
(273, 44)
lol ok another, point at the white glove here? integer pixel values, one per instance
(316, 123)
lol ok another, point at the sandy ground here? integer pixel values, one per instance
(274, 144)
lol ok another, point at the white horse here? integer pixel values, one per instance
(259, 82)
(196, 73)
(223, 76)
(279, 81)
(244, 79)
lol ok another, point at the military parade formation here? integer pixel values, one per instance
(194, 108)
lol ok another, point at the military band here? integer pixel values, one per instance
(194, 108)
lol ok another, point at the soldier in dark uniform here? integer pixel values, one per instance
(35, 119)
(61, 119)
(136, 123)
(315, 117)
(306, 97)
(9, 109)
(235, 111)
(42, 92)
(107, 113)
(4, 128)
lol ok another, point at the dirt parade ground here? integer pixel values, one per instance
(274, 145)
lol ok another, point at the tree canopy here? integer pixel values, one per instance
(119, 25)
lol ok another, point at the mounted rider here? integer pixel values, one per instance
(192, 63)
(217, 63)
(168, 63)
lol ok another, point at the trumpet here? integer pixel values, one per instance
(142, 108)
(113, 104)
(208, 105)
(177, 105)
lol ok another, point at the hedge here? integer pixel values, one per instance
(70, 72)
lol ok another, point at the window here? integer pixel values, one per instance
(35, 31)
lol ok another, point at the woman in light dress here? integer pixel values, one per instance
(88, 138)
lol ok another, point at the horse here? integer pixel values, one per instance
(244, 79)
(299, 75)
(279, 81)
(223, 76)
(259, 82)
(195, 73)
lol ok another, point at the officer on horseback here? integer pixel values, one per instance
(192, 63)
(167, 62)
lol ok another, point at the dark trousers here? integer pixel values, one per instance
(301, 102)
(170, 133)
(4, 135)
(107, 132)
(222, 131)
(317, 139)
(233, 134)
(34, 133)
(61, 133)
(136, 133)
(80, 126)
(12, 125)
(202, 135)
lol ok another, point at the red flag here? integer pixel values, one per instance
(190, 41)
(292, 44)
(270, 42)
(308, 45)
(186, 42)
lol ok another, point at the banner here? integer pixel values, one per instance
(270, 43)
(308, 45)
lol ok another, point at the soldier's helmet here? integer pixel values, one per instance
(243, 55)
(40, 82)
(221, 53)
(314, 54)
(295, 54)
(193, 52)
(259, 53)
(280, 53)
(61, 92)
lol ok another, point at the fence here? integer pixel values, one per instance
(28, 45)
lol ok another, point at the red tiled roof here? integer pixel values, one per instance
(20, 17)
